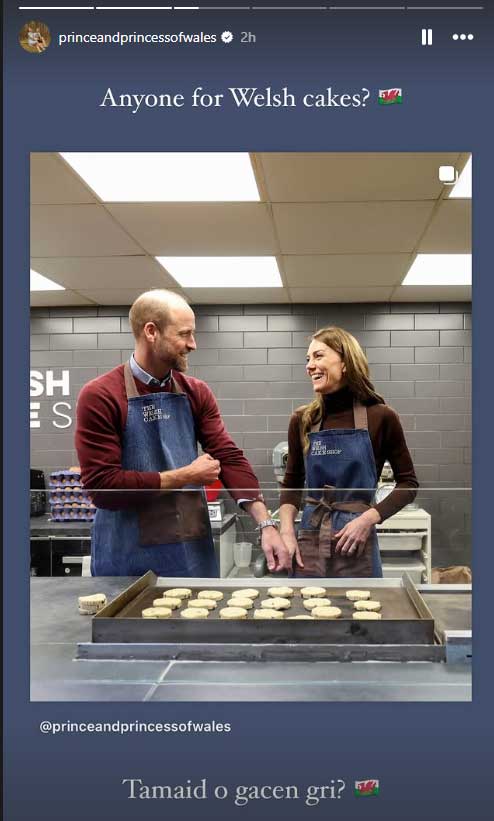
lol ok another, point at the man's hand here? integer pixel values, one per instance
(290, 541)
(352, 537)
(277, 555)
(202, 471)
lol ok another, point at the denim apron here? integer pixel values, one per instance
(338, 459)
(165, 531)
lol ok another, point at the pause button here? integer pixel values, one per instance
(427, 37)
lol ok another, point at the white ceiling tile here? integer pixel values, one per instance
(351, 227)
(198, 229)
(116, 296)
(322, 295)
(111, 272)
(55, 299)
(223, 296)
(450, 230)
(77, 231)
(432, 293)
(353, 177)
(332, 270)
(54, 182)
(167, 176)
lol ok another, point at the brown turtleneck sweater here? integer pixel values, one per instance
(388, 444)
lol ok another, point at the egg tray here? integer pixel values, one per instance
(406, 618)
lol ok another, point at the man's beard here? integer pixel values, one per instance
(175, 361)
(180, 363)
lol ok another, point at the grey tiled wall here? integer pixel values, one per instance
(253, 358)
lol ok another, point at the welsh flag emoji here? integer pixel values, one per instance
(389, 96)
(369, 787)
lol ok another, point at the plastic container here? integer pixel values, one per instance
(242, 554)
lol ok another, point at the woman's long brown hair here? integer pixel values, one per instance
(357, 377)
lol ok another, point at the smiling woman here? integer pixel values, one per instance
(338, 444)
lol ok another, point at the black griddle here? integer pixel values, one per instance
(406, 619)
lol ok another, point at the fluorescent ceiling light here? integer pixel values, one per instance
(40, 283)
(223, 272)
(167, 177)
(440, 269)
(463, 187)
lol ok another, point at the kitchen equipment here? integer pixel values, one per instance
(67, 555)
(383, 491)
(37, 492)
(387, 484)
(216, 510)
(405, 544)
(406, 630)
(242, 554)
(280, 457)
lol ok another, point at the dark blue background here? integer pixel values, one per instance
(433, 760)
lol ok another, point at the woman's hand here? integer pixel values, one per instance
(352, 537)
(290, 541)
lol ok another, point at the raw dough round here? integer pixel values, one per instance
(246, 592)
(178, 593)
(195, 613)
(320, 602)
(366, 615)
(209, 604)
(276, 603)
(213, 595)
(166, 602)
(233, 613)
(367, 605)
(358, 595)
(266, 613)
(156, 613)
(312, 592)
(326, 612)
(311, 618)
(285, 592)
(238, 601)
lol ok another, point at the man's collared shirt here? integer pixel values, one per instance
(145, 377)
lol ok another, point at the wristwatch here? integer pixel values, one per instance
(267, 523)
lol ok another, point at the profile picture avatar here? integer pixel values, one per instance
(35, 37)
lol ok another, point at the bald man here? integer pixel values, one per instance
(137, 431)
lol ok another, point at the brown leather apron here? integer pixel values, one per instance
(317, 547)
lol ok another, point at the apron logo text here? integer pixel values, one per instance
(321, 449)
(150, 413)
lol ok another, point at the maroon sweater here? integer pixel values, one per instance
(388, 444)
(101, 420)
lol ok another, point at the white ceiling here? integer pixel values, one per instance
(344, 228)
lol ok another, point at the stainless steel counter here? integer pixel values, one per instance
(57, 628)
(43, 526)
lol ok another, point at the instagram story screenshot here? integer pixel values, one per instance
(247, 384)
